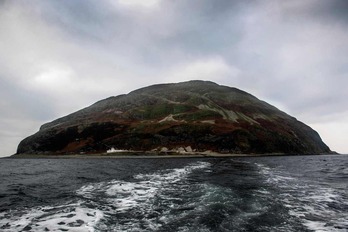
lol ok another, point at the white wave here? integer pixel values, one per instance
(138, 196)
(100, 202)
(69, 217)
(125, 195)
(307, 201)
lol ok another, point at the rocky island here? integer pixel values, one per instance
(194, 116)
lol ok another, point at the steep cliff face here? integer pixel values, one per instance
(200, 114)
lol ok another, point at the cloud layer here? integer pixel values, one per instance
(60, 56)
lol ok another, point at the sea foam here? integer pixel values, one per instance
(310, 203)
(98, 203)
(67, 217)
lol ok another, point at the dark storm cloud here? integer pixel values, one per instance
(208, 30)
(326, 11)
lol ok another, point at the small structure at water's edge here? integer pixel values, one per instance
(113, 150)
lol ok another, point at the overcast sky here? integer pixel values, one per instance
(58, 56)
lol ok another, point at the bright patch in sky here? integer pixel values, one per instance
(139, 3)
(53, 78)
(334, 134)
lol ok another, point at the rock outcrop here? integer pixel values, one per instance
(197, 114)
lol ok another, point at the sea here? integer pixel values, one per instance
(275, 193)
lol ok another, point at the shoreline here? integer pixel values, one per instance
(147, 155)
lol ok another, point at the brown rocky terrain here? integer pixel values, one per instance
(197, 115)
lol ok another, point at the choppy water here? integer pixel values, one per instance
(297, 193)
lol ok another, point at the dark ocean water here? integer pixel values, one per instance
(293, 193)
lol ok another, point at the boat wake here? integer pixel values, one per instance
(143, 203)
(318, 207)
(214, 195)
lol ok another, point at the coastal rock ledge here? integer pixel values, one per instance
(201, 115)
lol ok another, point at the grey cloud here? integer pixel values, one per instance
(83, 19)
(22, 103)
(334, 11)
(291, 53)
(209, 29)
